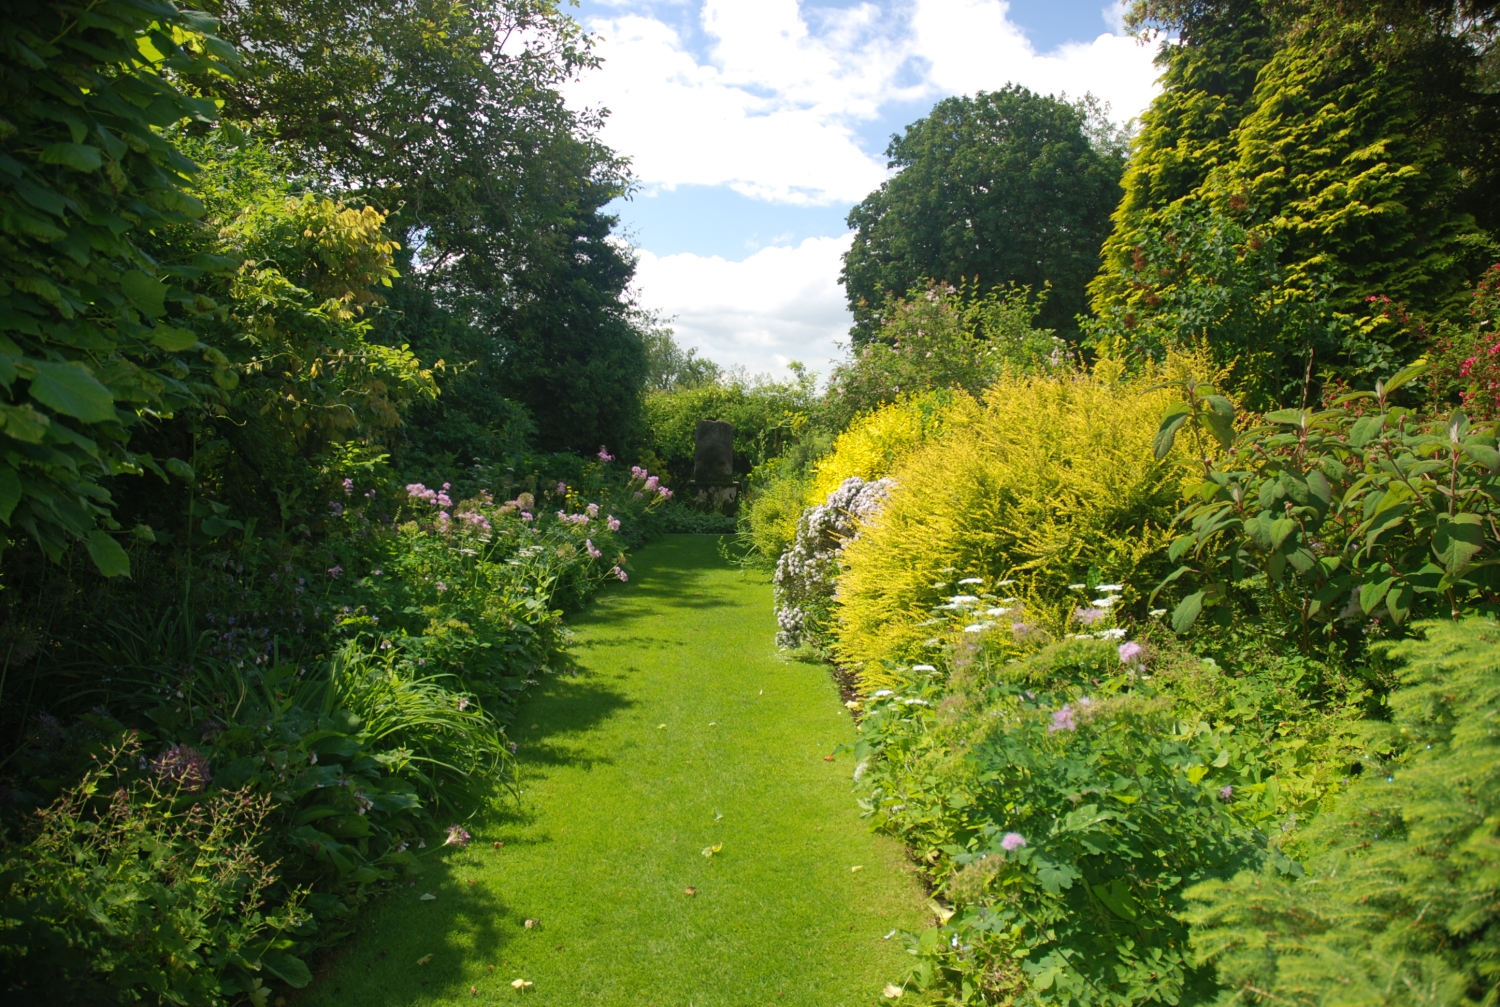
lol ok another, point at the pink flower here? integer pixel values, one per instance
(613, 523)
(1226, 793)
(588, 545)
(592, 510)
(441, 586)
(605, 456)
(1062, 720)
(619, 573)
(665, 493)
(348, 486)
(335, 572)
(443, 500)
(651, 483)
(1089, 616)
(457, 836)
(1130, 652)
(562, 487)
(1012, 841)
(525, 516)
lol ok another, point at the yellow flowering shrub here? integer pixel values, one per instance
(1052, 482)
(878, 441)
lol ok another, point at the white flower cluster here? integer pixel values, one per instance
(807, 571)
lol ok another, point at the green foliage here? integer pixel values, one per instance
(497, 191)
(97, 337)
(1306, 166)
(1051, 483)
(1397, 905)
(768, 416)
(941, 337)
(1005, 187)
(125, 888)
(1064, 801)
(669, 366)
(1363, 510)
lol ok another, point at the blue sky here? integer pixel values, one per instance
(754, 125)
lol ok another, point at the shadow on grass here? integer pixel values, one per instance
(384, 965)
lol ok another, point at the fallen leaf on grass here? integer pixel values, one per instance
(473, 991)
(856, 867)
(498, 845)
(713, 723)
(661, 727)
(473, 882)
(492, 968)
(428, 897)
(424, 959)
(709, 851)
(827, 758)
(690, 890)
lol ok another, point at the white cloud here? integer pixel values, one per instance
(780, 304)
(773, 104)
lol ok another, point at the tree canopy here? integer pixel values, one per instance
(1002, 187)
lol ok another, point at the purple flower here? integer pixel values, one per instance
(1226, 793)
(369, 494)
(1062, 720)
(1012, 841)
(335, 508)
(419, 492)
(605, 456)
(443, 500)
(525, 516)
(613, 523)
(562, 488)
(457, 836)
(335, 572)
(664, 493)
(348, 487)
(651, 484)
(1089, 616)
(592, 510)
(1130, 652)
(619, 573)
(588, 545)
(441, 586)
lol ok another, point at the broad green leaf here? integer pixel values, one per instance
(1370, 595)
(107, 555)
(289, 968)
(181, 469)
(1457, 541)
(78, 156)
(1405, 375)
(10, 492)
(1399, 602)
(174, 340)
(1366, 429)
(1219, 416)
(1187, 611)
(71, 390)
(1318, 486)
(1281, 528)
(148, 294)
(1484, 454)
(1166, 434)
(1287, 417)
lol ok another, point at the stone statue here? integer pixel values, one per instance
(714, 486)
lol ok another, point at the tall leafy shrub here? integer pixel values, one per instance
(97, 338)
(1053, 483)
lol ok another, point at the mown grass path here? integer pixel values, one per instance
(683, 730)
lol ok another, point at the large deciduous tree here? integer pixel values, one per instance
(448, 114)
(1003, 187)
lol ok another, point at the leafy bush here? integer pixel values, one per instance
(1361, 511)
(128, 889)
(1052, 483)
(1397, 903)
(767, 417)
(942, 337)
(876, 442)
(95, 334)
(807, 571)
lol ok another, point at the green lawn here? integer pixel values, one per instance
(683, 730)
